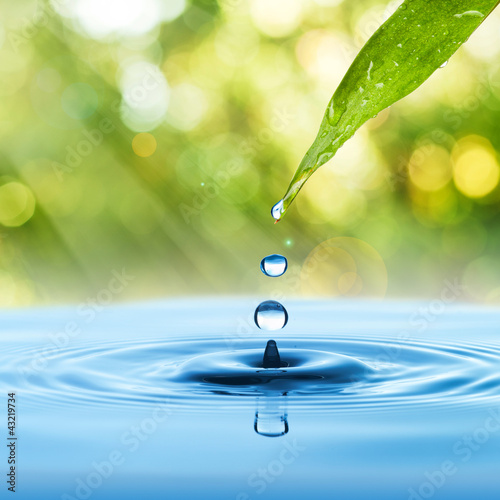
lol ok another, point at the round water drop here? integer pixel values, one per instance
(274, 265)
(444, 64)
(270, 315)
(277, 210)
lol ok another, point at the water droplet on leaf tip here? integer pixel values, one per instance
(277, 210)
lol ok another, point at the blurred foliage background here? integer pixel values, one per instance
(153, 136)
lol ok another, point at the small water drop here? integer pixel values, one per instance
(335, 112)
(324, 157)
(368, 77)
(277, 210)
(270, 315)
(472, 13)
(402, 6)
(444, 64)
(274, 265)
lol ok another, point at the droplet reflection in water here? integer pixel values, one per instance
(270, 315)
(271, 419)
(277, 210)
(274, 265)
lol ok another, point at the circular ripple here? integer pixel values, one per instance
(325, 373)
(305, 370)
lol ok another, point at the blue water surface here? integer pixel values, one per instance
(162, 400)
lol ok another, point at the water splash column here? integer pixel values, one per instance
(271, 315)
(270, 416)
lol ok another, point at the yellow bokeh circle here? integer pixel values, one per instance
(276, 18)
(475, 168)
(344, 267)
(144, 144)
(430, 168)
(17, 204)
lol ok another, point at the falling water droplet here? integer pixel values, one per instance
(277, 210)
(270, 315)
(444, 64)
(274, 265)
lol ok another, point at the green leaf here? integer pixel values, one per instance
(415, 41)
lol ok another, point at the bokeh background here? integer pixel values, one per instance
(152, 137)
